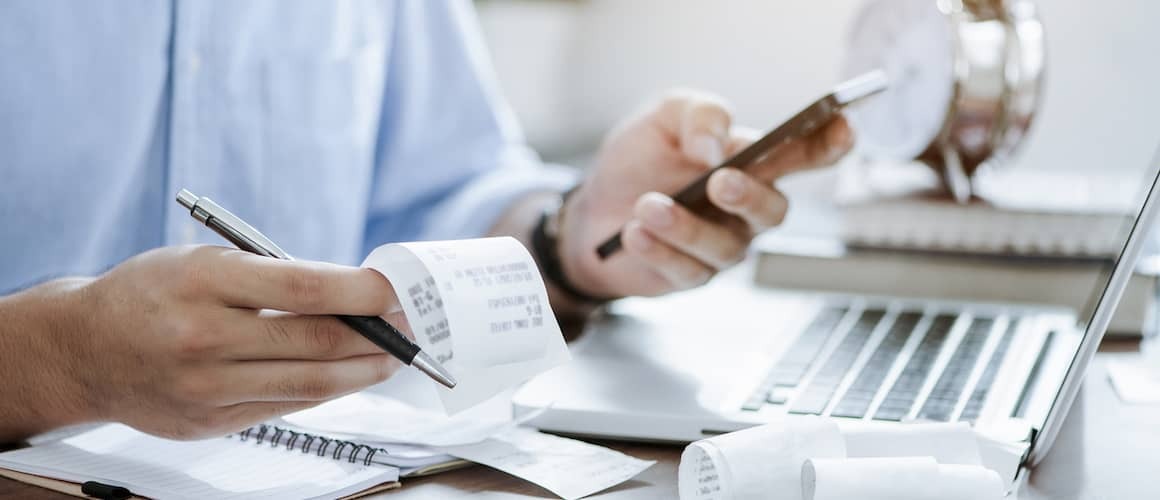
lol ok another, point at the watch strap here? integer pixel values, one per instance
(546, 248)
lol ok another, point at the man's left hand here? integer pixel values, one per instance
(667, 247)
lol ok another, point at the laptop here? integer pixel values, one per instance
(731, 355)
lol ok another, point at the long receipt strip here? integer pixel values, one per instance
(566, 467)
(569, 468)
(813, 459)
(479, 307)
(377, 419)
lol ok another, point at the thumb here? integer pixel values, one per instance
(704, 131)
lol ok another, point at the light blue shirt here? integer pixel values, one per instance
(332, 126)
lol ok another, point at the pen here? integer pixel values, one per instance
(374, 328)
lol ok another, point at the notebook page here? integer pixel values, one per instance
(215, 468)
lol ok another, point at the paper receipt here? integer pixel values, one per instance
(809, 458)
(566, 467)
(477, 306)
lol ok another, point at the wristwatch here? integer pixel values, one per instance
(965, 81)
(546, 249)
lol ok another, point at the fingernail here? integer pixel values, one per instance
(732, 187)
(708, 150)
(657, 210)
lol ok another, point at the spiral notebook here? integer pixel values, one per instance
(265, 461)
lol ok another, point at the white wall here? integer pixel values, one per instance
(573, 67)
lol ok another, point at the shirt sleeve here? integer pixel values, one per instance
(450, 155)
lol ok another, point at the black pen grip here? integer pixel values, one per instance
(384, 335)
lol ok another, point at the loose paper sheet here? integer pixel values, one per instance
(370, 417)
(566, 467)
(477, 306)
(1134, 380)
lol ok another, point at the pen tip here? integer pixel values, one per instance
(433, 369)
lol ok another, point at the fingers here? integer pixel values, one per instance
(699, 123)
(245, 415)
(304, 380)
(824, 147)
(272, 335)
(241, 279)
(757, 203)
(710, 243)
(677, 269)
(248, 335)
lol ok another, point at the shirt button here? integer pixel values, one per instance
(194, 62)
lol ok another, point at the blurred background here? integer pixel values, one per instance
(572, 68)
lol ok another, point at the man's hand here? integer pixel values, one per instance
(186, 342)
(666, 247)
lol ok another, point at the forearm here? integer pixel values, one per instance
(37, 393)
(518, 221)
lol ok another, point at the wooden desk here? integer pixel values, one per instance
(1120, 448)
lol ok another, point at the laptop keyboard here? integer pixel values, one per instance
(975, 402)
(942, 400)
(905, 390)
(860, 395)
(819, 391)
(792, 367)
(833, 382)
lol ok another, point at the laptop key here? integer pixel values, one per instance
(796, 361)
(975, 404)
(945, 395)
(905, 390)
(861, 393)
(818, 392)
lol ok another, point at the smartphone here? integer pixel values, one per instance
(809, 120)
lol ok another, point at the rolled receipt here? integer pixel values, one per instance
(756, 463)
(947, 443)
(897, 478)
(477, 306)
(891, 478)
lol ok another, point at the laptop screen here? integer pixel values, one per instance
(1115, 274)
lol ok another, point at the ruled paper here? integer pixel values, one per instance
(215, 468)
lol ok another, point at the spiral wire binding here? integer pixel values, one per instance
(289, 438)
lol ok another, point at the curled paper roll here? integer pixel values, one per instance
(969, 482)
(757, 463)
(892, 478)
(947, 443)
(897, 478)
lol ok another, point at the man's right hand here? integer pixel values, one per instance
(191, 342)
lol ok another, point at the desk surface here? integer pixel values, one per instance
(1120, 448)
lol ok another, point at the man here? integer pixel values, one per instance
(332, 126)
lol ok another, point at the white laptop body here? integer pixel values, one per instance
(729, 356)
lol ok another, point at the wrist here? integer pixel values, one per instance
(549, 246)
(42, 390)
(578, 260)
